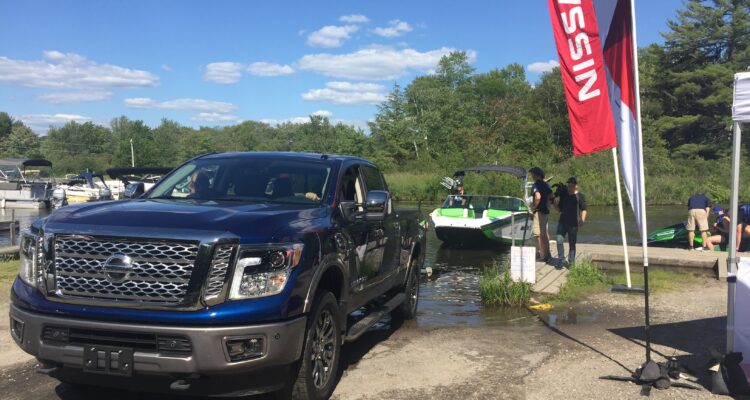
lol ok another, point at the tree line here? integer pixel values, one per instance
(457, 116)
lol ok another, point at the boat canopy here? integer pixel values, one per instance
(518, 172)
(26, 162)
(117, 173)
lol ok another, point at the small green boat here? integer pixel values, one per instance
(484, 219)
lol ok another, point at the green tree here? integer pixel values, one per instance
(21, 142)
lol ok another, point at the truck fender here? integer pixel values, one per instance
(325, 265)
(411, 257)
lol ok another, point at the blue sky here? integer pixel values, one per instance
(219, 62)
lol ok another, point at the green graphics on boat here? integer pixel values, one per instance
(465, 219)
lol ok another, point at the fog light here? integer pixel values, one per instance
(55, 334)
(16, 329)
(244, 349)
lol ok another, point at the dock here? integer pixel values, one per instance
(610, 257)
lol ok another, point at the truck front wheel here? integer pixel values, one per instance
(408, 309)
(319, 366)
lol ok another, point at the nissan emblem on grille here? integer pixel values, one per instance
(118, 268)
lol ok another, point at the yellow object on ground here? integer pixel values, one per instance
(541, 307)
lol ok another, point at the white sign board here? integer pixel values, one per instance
(523, 264)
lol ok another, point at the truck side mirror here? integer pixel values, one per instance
(133, 190)
(376, 205)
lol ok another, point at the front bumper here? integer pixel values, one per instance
(283, 345)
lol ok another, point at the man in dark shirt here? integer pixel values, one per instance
(573, 213)
(743, 223)
(698, 208)
(541, 192)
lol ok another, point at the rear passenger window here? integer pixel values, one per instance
(373, 179)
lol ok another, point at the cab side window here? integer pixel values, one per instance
(351, 186)
(373, 179)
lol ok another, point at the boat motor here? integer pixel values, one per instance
(105, 194)
(59, 198)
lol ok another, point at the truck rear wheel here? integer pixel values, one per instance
(319, 366)
(408, 309)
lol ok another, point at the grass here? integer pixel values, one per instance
(498, 289)
(584, 277)
(8, 272)
(659, 280)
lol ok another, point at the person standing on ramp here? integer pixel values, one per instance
(573, 212)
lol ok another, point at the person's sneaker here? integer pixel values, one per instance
(691, 248)
(699, 249)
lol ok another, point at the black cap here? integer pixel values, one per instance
(573, 180)
(536, 171)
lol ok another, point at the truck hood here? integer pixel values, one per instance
(204, 220)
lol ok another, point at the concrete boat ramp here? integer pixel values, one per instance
(549, 279)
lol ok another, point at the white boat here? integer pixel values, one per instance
(125, 176)
(484, 219)
(25, 183)
(84, 188)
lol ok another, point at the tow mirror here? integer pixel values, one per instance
(377, 205)
(133, 190)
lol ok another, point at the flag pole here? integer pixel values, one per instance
(734, 217)
(641, 183)
(622, 218)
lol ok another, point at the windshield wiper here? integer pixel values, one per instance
(165, 197)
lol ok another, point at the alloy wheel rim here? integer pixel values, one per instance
(323, 349)
(414, 290)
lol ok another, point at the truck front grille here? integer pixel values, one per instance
(160, 270)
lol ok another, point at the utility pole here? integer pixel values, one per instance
(132, 154)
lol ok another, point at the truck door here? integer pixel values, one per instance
(366, 249)
(389, 230)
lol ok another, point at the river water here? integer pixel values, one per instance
(450, 295)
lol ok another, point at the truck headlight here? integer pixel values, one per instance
(261, 272)
(28, 255)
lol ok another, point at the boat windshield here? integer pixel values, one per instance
(246, 180)
(10, 173)
(479, 203)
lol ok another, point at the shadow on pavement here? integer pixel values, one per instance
(694, 337)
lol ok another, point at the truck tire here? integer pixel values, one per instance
(408, 309)
(319, 366)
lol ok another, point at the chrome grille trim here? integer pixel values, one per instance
(160, 275)
(219, 266)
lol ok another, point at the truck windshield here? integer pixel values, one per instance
(246, 180)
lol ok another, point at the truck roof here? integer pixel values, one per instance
(284, 154)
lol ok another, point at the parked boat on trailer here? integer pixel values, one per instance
(468, 219)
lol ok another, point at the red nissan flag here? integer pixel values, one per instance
(582, 66)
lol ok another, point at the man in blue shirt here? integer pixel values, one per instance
(699, 207)
(541, 192)
(743, 223)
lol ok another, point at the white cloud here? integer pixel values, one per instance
(347, 93)
(323, 113)
(166, 67)
(542, 67)
(292, 120)
(355, 87)
(223, 72)
(395, 28)
(262, 68)
(215, 117)
(40, 123)
(331, 35)
(75, 97)
(354, 19)
(197, 105)
(375, 63)
(71, 71)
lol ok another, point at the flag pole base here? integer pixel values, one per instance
(619, 288)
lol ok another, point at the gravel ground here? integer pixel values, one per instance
(559, 355)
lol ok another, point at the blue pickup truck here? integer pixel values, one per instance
(236, 274)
